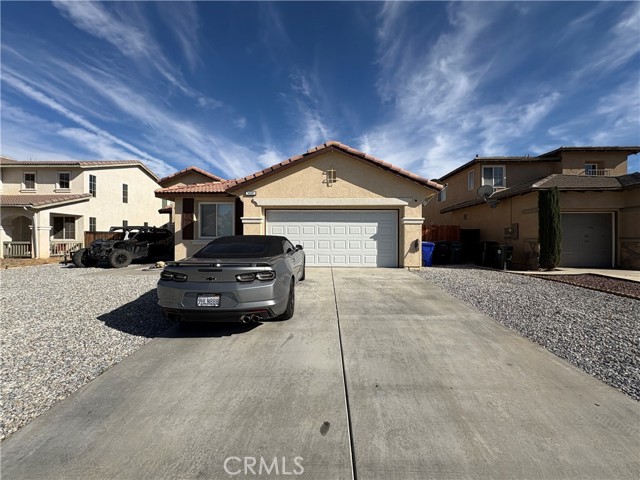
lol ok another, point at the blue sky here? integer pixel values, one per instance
(235, 87)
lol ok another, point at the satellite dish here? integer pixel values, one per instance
(485, 192)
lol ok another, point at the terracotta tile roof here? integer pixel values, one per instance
(7, 160)
(204, 188)
(189, 170)
(197, 188)
(40, 200)
(334, 145)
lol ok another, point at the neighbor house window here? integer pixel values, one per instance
(92, 185)
(125, 193)
(92, 224)
(591, 169)
(442, 195)
(64, 180)
(471, 180)
(125, 223)
(29, 181)
(215, 219)
(330, 177)
(64, 228)
(493, 175)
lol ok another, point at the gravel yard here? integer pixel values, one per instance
(63, 326)
(595, 331)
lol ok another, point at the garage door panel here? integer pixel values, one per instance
(341, 238)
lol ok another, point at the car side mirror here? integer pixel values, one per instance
(299, 247)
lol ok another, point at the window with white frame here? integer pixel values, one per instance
(29, 181)
(64, 228)
(442, 195)
(494, 175)
(64, 181)
(92, 224)
(92, 185)
(215, 219)
(125, 193)
(471, 180)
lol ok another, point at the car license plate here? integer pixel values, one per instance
(208, 300)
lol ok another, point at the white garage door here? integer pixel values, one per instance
(341, 238)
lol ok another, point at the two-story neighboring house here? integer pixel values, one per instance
(599, 202)
(47, 206)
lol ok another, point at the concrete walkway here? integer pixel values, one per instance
(633, 275)
(434, 389)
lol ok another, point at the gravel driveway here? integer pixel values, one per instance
(63, 326)
(595, 331)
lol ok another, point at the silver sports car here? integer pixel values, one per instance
(244, 278)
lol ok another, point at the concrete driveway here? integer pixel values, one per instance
(434, 389)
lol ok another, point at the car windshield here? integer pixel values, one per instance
(234, 247)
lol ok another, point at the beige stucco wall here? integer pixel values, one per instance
(359, 186)
(573, 162)
(187, 178)
(186, 248)
(46, 180)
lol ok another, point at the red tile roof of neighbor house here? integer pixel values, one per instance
(206, 188)
(40, 200)
(190, 170)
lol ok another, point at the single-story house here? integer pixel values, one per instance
(344, 206)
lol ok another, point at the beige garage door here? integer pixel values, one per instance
(341, 238)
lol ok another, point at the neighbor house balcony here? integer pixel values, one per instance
(597, 172)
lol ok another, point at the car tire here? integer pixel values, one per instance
(304, 272)
(120, 258)
(81, 259)
(291, 302)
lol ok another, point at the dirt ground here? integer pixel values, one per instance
(28, 262)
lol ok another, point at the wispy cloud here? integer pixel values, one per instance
(133, 41)
(183, 21)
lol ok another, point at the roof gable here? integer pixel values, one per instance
(190, 170)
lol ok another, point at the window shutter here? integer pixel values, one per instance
(187, 218)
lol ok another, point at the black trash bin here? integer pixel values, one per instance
(500, 256)
(441, 253)
(456, 250)
(483, 253)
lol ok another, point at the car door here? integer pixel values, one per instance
(295, 256)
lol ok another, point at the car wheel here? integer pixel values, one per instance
(120, 258)
(81, 259)
(304, 273)
(291, 303)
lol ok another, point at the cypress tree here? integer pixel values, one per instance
(549, 228)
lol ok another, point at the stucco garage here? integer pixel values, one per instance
(346, 238)
(346, 207)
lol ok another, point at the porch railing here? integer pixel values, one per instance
(59, 248)
(597, 172)
(17, 249)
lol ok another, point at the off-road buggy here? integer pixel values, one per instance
(125, 244)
